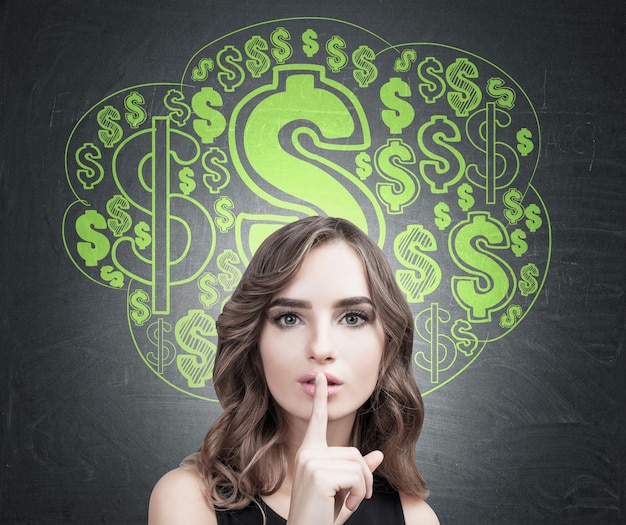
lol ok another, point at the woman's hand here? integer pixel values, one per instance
(326, 477)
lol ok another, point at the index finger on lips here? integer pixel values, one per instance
(316, 430)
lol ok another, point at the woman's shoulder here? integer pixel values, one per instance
(179, 498)
(417, 511)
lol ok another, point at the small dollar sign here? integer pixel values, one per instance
(192, 332)
(309, 43)
(231, 74)
(519, 246)
(513, 314)
(217, 175)
(91, 172)
(505, 96)
(230, 275)
(202, 70)
(429, 324)
(466, 200)
(363, 165)
(402, 187)
(143, 238)
(111, 132)
(139, 309)
(400, 113)
(467, 95)
(442, 215)
(403, 63)
(186, 184)
(207, 284)
(337, 59)
(282, 49)
(512, 199)
(96, 246)
(365, 71)
(524, 141)
(165, 352)
(225, 219)
(211, 123)
(422, 274)
(466, 341)
(136, 115)
(179, 112)
(533, 218)
(433, 86)
(258, 62)
(528, 285)
(114, 277)
(120, 221)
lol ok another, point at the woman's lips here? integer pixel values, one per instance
(307, 381)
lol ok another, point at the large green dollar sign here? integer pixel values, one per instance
(302, 103)
(466, 95)
(400, 112)
(490, 282)
(422, 275)
(192, 332)
(501, 160)
(177, 222)
(94, 246)
(403, 187)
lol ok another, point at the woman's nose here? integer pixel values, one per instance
(321, 348)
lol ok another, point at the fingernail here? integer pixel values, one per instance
(317, 378)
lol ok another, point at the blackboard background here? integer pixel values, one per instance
(533, 432)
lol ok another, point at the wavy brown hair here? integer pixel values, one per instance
(243, 455)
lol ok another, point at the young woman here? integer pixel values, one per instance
(321, 409)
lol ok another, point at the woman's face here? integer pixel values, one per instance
(324, 320)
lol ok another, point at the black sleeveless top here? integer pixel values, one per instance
(384, 507)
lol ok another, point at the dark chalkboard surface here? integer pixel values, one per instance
(530, 429)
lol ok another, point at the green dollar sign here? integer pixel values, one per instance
(136, 115)
(363, 165)
(120, 221)
(139, 309)
(96, 246)
(464, 192)
(92, 172)
(442, 215)
(466, 341)
(179, 112)
(441, 353)
(519, 246)
(422, 275)
(403, 63)
(512, 316)
(282, 50)
(143, 237)
(403, 187)
(445, 165)
(230, 274)
(111, 132)
(202, 70)
(533, 218)
(337, 59)
(258, 62)
(528, 285)
(524, 141)
(211, 123)
(114, 277)
(192, 332)
(505, 96)
(433, 86)
(467, 95)
(309, 43)
(400, 113)
(217, 175)
(490, 282)
(225, 220)
(365, 71)
(231, 74)
(165, 352)
(210, 295)
(187, 184)
(512, 199)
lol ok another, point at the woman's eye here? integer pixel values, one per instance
(355, 318)
(286, 319)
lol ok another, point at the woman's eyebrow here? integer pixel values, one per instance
(354, 301)
(342, 303)
(291, 303)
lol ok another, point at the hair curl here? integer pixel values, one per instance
(243, 454)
